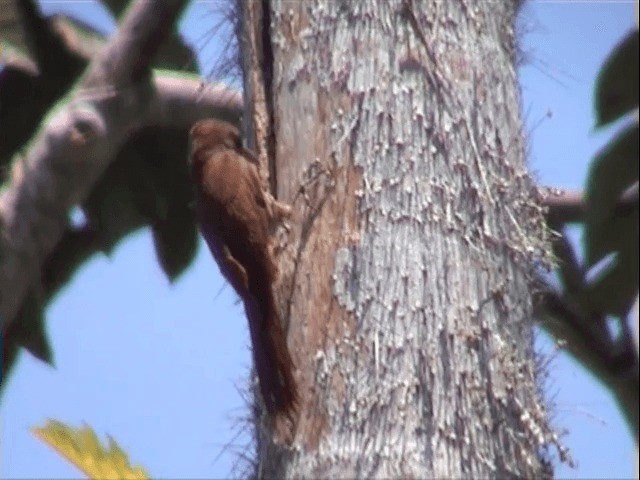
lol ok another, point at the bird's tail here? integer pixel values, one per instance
(271, 357)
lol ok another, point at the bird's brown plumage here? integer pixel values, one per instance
(235, 215)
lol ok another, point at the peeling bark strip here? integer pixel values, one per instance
(257, 68)
(267, 72)
(257, 124)
(408, 269)
(80, 137)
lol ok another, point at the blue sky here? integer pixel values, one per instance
(159, 367)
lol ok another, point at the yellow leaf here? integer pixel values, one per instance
(82, 448)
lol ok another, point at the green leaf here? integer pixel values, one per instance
(615, 290)
(113, 208)
(617, 84)
(175, 54)
(9, 351)
(82, 448)
(148, 184)
(27, 331)
(610, 228)
(21, 107)
(75, 247)
(28, 328)
(176, 242)
(116, 7)
(174, 230)
(613, 171)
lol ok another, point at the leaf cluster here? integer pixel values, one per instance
(592, 315)
(82, 448)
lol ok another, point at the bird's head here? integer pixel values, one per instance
(208, 135)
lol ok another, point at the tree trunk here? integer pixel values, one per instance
(393, 127)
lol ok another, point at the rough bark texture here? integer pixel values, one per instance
(406, 278)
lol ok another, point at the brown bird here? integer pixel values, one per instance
(236, 215)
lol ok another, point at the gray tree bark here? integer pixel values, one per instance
(406, 280)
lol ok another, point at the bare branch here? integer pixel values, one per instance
(82, 135)
(259, 129)
(614, 362)
(584, 334)
(569, 206)
(180, 101)
(129, 53)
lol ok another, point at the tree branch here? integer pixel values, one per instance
(82, 135)
(585, 334)
(614, 363)
(569, 206)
